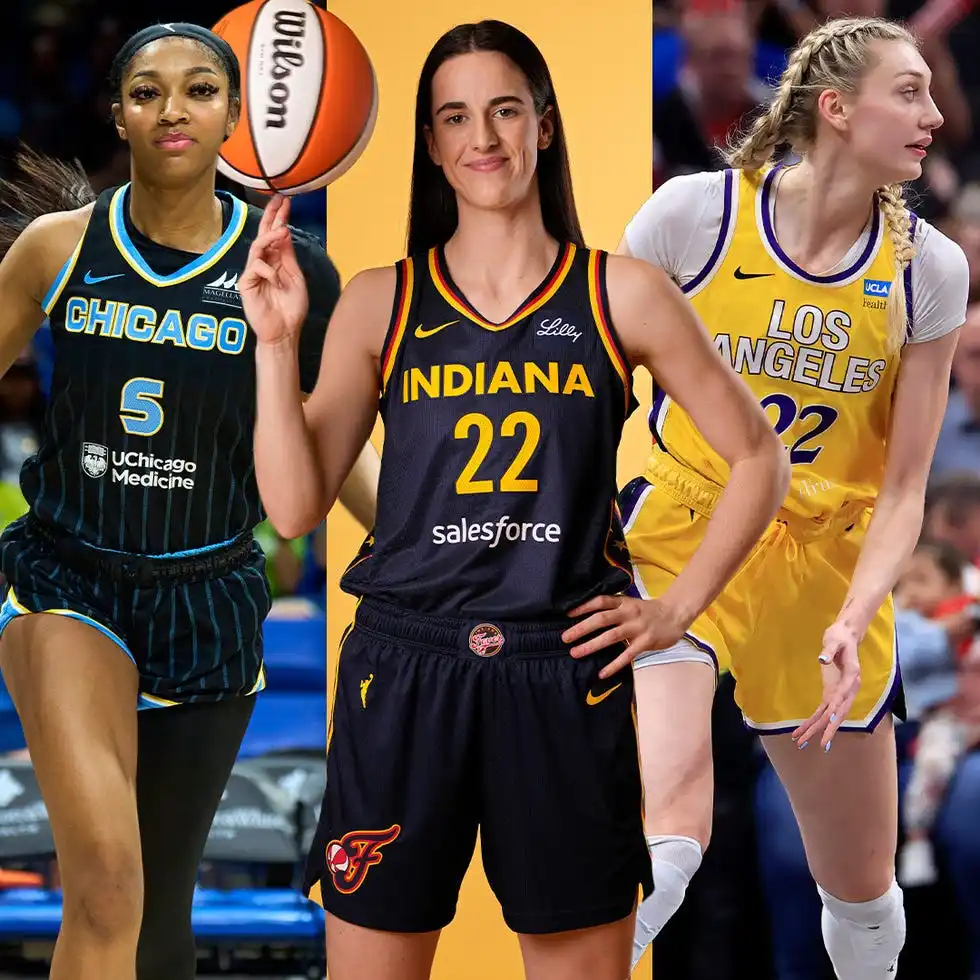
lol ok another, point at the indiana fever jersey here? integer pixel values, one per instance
(813, 349)
(498, 476)
(148, 441)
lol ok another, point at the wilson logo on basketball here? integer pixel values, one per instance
(352, 857)
(309, 96)
(291, 26)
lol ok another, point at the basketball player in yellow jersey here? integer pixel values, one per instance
(840, 310)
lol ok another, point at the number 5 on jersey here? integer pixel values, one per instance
(140, 412)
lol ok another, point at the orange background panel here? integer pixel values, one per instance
(600, 58)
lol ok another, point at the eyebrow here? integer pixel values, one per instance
(499, 100)
(150, 73)
(915, 73)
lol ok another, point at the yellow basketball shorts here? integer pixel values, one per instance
(767, 625)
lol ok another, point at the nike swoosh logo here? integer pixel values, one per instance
(422, 333)
(92, 280)
(591, 698)
(751, 275)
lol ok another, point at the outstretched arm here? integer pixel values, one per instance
(305, 452)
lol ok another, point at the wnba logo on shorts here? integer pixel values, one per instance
(486, 640)
(350, 858)
(94, 459)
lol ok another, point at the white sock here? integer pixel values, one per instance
(863, 939)
(675, 859)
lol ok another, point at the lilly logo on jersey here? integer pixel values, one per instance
(223, 290)
(557, 327)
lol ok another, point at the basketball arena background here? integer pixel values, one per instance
(752, 910)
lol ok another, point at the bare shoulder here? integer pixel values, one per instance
(365, 306)
(46, 244)
(630, 278)
(638, 292)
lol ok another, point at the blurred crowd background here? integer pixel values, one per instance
(753, 910)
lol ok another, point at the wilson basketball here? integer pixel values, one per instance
(309, 96)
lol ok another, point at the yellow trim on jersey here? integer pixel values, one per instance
(71, 614)
(260, 681)
(117, 228)
(156, 702)
(56, 288)
(403, 303)
(537, 300)
(604, 327)
(336, 672)
(315, 894)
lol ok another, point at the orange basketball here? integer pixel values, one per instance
(309, 96)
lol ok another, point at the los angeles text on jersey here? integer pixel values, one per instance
(137, 469)
(145, 325)
(483, 378)
(807, 346)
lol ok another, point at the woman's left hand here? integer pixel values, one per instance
(643, 624)
(840, 668)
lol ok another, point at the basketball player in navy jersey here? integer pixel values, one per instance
(503, 350)
(137, 551)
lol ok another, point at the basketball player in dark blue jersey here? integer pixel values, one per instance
(503, 351)
(134, 579)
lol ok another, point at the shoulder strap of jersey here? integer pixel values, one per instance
(404, 289)
(99, 213)
(599, 301)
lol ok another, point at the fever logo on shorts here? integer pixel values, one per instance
(350, 858)
(95, 459)
(486, 640)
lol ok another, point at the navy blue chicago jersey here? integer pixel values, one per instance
(148, 436)
(498, 476)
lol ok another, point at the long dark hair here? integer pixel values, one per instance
(433, 214)
(42, 185)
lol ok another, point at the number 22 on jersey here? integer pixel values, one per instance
(512, 480)
(802, 450)
(140, 411)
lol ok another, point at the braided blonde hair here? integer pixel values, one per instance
(835, 55)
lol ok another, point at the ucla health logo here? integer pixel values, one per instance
(877, 287)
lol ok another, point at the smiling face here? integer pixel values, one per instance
(485, 132)
(175, 109)
(887, 121)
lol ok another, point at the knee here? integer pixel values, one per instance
(103, 893)
(679, 801)
(858, 935)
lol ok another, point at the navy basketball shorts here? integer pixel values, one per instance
(192, 624)
(441, 727)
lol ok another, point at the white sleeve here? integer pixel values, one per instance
(940, 284)
(677, 228)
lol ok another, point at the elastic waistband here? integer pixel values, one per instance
(483, 638)
(700, 494)
(141, 570)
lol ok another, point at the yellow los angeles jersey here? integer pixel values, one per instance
(813, 349)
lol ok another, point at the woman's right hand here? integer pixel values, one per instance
(272, 285)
